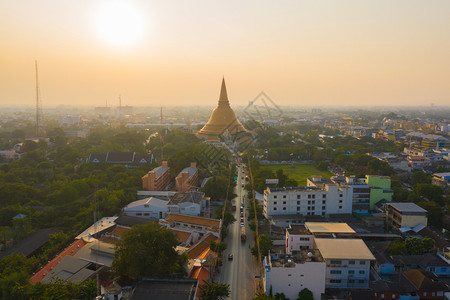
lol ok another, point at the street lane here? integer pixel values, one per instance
(239, 272)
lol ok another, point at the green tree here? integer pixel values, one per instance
(397, 247)
(228, 217)
(305, 294)
(417, 246)
(265, 245)
(148, 251)
(435, 213)
(420, 177)
(280, 296)
(430, 191)
(218, 247)
(323, 165)
(214, 291)
(216, 188)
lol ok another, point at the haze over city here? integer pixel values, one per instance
(175, 53)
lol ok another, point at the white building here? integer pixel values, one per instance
(190, 203)
(301, 237)
(323, 201)
(150, 208)
(347, 262)
(290, 274)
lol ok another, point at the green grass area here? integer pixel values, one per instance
(299, 172)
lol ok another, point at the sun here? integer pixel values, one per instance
(119, 23)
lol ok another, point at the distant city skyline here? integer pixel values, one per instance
(316, 53)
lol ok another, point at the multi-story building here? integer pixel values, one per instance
(187, 178)
(405, 214)
(347, 262)
(380, 189)
(320, 200)
(200, 225)
(441, 179)
(360, 190)
(289, 274)
(157, 179)
(301, 237)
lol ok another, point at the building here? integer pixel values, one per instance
(404, 214)
(191, 203)
(301, 237)
(187, 178)
(128, 159)
(162, 289)
(223, 118)
(360, 190)
(380, 189)
(427, 285)
(418, 162)
(441, 179)
(157, 179)
(318, 200)
(200, 225)
(347, 262)
(289, 274)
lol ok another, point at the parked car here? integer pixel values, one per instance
(230, 256)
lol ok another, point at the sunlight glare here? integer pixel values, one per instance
(120, 23)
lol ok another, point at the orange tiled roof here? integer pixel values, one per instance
(109, 240)
(181, 236)
(201, 246)
(117, 232)
(71, 251)
(193, 220)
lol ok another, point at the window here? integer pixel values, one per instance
(304, 239)
(323, 207)
(323, 214)
(351, 281)
(146, 214)
(313, 202)
(362, 262)
(351, 262)
(309, 196)
(424, 293)
(340, 206)
(324, 196)
(340, 201)
(284, 196)
(335, 272)
(298, 207)
(275, 202)
(340, 195)
(362, 272)
(298, 202)
(139, 214)
(335, 262)
(284, 202)
(313, 213)
(309, 202)
(146, 205)
(275, 197)
(274, 208)
(393, 296)
(361, 281)
(284, 208)
(298, 196)
(350, 272)
(335, 281)
(382, 296)
(314, 196)
(289, 274)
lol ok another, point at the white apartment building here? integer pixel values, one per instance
(289, 274)
(347, 262)
(328, 199)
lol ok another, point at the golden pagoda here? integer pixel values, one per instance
(223, 117)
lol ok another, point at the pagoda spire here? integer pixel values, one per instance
(223, 98)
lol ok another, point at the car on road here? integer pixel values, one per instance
(230, 256)
(242, 185)
(242, 220)
(242, 224)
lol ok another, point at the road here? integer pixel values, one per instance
(240, 272)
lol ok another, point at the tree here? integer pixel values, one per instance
(420, 177)
(265, 245)
(280, 296)
(397, 247)
(228, 217)
(430, 191)
(323, 165)
(148, 251)
(305, 294)
(218, 247)
(216, 188)
(435, 213)
(214, 291)
(417, 246)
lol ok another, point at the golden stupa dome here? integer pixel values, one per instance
(223, 117)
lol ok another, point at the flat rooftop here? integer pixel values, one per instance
(407, 207)
(322, 227)
(165, 289)
(343, 249)
(289, 261)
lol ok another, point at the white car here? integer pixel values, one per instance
(242, 224)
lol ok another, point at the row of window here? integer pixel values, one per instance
(350, 262)
(350, 272)
(310, 196)
(349, 281)
(309, 208)
(311, 202)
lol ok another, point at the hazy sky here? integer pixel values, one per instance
(374, 52)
